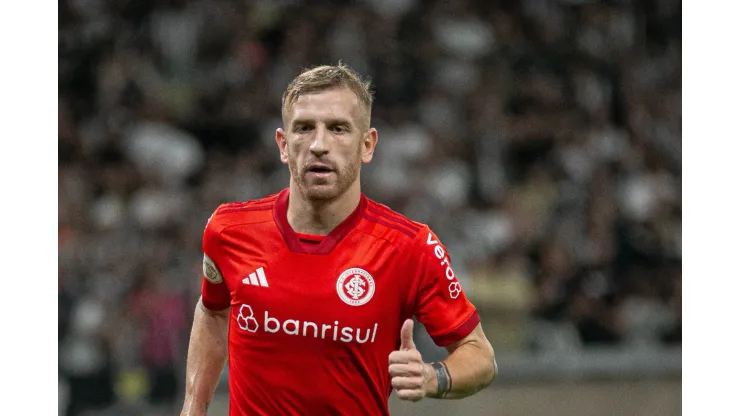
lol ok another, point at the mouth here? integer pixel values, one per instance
(319, 170)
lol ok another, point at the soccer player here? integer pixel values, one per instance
(310, 292)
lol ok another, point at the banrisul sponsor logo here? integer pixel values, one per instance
(273, 324)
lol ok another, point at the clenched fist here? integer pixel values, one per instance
(410, 376)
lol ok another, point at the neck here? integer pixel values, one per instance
(320, 217)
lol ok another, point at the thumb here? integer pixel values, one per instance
(407, 335)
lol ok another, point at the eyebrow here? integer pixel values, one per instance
(330, 121)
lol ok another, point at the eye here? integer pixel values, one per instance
(301, 128)
(339, 129)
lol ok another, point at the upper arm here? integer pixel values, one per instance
(222, 313)
(476, 338)
(215, 292)
(440, 302)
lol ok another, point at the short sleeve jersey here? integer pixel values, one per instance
(314, 318)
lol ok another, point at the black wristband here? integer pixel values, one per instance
(442, 380)
(449, 379)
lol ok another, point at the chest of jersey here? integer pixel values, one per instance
(347, 299)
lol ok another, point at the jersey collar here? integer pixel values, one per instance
(280, 214)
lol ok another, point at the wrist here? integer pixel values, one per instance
(430, 384)
(193, 407)
(442, 380)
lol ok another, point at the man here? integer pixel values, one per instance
(310, 291)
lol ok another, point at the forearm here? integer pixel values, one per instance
(470, 368)
(207, 352)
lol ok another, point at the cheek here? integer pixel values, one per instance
(352, 151)
(293, 150)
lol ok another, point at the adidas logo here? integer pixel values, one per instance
(256, 278)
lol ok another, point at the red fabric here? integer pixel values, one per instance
(296, 347)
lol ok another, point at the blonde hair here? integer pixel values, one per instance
(321, 78)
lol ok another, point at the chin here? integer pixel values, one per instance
(321, 192)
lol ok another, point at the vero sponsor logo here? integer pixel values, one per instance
(440, 253)
(454, 287)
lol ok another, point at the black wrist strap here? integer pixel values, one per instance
(443, 382)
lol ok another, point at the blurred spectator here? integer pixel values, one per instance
(85, 361)
(162, 315)
(540, 139)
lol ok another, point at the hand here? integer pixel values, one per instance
(410, 376)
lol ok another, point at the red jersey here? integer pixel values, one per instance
(314, 318)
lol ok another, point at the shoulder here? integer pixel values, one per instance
(395, 226)
(241, 213)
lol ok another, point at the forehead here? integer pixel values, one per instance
(333, 103)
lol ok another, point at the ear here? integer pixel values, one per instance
(281, 139)
(369, 141)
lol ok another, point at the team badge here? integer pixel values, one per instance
(210, 271)
(355, 286)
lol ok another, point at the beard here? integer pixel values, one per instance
(325, 189)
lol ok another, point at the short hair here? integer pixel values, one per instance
(324, 77)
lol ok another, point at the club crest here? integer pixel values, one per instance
(355, 286)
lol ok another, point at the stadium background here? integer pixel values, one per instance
(540, 139)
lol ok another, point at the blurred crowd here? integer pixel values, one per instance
(541, 140)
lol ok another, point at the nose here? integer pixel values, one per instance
(319, 143)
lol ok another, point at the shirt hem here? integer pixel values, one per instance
(458, 333)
